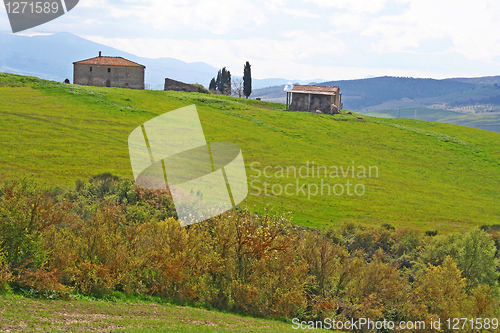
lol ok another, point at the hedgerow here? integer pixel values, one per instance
(107, 235)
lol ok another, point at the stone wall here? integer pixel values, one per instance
(300, 102)
(179, 86)
(109, 76)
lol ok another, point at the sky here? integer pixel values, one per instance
(303, 39)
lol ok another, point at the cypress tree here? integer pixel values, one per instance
(218, 81)
(227, 82)
(223, 81)
(247, 80)
(213, 84)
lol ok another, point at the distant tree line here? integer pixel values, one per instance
(358, 94)
(494, 100)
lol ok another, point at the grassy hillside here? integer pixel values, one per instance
(490, 122)
(30, 315)
(430, 175)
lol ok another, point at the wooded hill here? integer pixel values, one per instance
(460, 94)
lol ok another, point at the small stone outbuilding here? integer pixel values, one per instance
(310, 98)
(104, 71)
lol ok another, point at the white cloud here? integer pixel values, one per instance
(353, 6)
(346, 22)
(219, 17)
(472, 28)
(93, 4)
(285, 58)
(299, 39)
(294, 45)
(300, 13)
(225, 33)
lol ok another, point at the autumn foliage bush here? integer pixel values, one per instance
(108, 235)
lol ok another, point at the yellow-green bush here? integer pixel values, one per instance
(108, 235)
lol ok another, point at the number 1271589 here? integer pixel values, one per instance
(24, 7)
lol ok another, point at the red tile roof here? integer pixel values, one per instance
(111, 61)
(320, 90)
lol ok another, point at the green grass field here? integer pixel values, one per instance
(481, 121)
(18, 314)
(430, 175)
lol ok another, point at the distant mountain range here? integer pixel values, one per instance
(468, 95)
(51, 57)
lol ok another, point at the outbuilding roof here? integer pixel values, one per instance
(311, 89)
(109, 61)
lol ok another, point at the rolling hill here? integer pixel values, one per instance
(424, 175)
(489, 122)
(468, 95)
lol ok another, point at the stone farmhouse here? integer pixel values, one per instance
(104, 71)
(179, 86)
(310, 98)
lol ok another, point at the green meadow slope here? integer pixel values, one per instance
(32, 315)
(490, 122)
(423, 174)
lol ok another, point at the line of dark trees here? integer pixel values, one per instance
(495, 100)
(224, 85)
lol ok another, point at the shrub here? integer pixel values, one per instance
(5, 273)
(474, 253)
(25, 212)
(202, 89)
(42, 282)
(442, 290)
